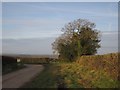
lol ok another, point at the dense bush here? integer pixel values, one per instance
(99, 71)
(109, 63)
(8, 60)
(10, 64)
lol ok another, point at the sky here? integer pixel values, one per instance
(30, 28)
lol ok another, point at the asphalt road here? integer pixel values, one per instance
(18, 78)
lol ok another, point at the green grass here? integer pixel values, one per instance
(45, 79)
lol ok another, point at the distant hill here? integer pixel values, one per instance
(31, 56)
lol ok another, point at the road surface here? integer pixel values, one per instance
(18, 78)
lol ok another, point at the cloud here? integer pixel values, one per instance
(110, 33)
(28, 46)
(36, 28)
(35, 21)
(32, 8)
(32, 28)
(22, 34)
(40, 21)
(109, 43)
(93, 12)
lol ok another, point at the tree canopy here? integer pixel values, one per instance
(79, 37)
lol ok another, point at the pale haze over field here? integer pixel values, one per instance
(30, 28)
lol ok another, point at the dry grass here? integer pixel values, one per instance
(99, 71)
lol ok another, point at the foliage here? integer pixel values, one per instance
(9, 64)
(108, 63)
(79, 38)
(8, 60)
(99, 71)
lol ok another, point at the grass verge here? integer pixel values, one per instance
(45, 79)
(99, 71)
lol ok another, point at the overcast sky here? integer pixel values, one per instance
(30, 28)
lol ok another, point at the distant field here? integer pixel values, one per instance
(99, 71)
(30, 56)
(33, 59)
